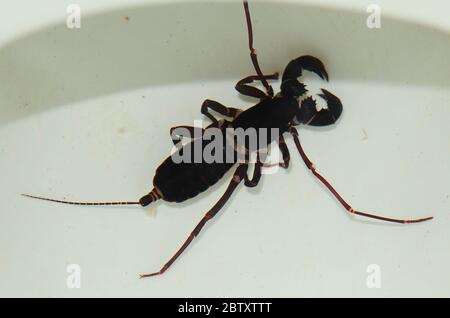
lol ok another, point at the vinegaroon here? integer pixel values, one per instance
(178, 182)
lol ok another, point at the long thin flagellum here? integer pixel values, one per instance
(80, 203)
(253, 51)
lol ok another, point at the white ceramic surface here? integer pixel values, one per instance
(85, 115)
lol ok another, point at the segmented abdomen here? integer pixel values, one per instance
(178, 182)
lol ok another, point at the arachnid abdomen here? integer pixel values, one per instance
(178, 182)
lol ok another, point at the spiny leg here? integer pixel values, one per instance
(295, 68)
(253, 55)
(309, 115)
(219, 108)
(290, 86)
(252, 91)
(311, 167)
(237, 178)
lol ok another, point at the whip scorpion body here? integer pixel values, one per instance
(178, 182)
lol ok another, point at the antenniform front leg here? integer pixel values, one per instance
(341, 200)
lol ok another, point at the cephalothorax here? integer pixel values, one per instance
(177, 182)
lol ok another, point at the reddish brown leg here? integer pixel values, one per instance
(253, 182)
(219, 108)
(251, 91)
(253, 55)
(237, 178)
(311, 167)
(284, 152)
